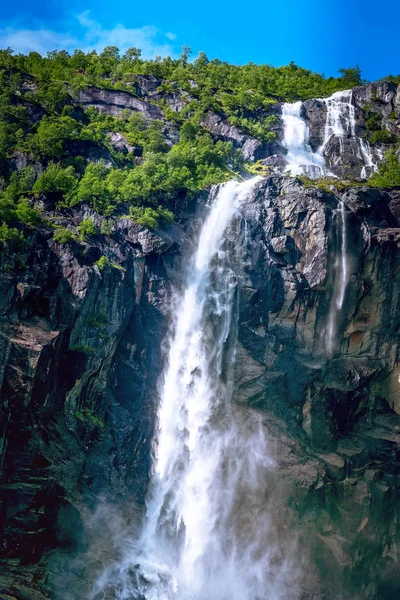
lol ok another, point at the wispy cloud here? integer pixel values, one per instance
(89, 35)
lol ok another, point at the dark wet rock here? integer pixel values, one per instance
(277, 162)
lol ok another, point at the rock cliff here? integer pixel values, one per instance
(81, 351)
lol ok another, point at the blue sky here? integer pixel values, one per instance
(322, 35)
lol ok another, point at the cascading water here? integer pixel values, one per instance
(340, 125)
(209, 533)
(341, 278)
(300, 158)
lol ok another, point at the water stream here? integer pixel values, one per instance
(340, 124)
(340, 284)
(301, 159)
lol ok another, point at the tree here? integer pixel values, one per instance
(56, 179)
(186, 52)
(132, 54)
(351, 77)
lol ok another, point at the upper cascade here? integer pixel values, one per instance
(338, 138)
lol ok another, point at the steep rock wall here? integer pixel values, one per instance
(81, 351)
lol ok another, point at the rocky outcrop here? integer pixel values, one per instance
(114, 102)
(318, 353)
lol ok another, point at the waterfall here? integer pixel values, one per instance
(209, 533)
(300, 157)
(341, 278)
(340, 124)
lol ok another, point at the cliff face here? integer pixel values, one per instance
(329, 368)
(318, 346)
(81, 354)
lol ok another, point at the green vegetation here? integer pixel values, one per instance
(150, 217)
(57, 180)
(388, 174)
(62, 235)
(82, 348)
(97, 320)
(375, 132)
(55, 154)
(327, 184)
(90, 419)
(87, 228)
(102, 263)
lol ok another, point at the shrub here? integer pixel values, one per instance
(150, 217)
(106, 227)
(388, 174)
(89, 418)
(102, 263)
(10, 236)
(97, 320)
(62, 235)
(382, 136)
(87, 228)
(82, 348)
(56, 179)
(25, 214)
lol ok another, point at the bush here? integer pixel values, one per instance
(382, 136)
(62, 235)
(91, 420)
(97, 320)
(56, 179)
(150, 217)
(25, 214)
(102, 263)
(388, 174)
(87, 228)
(82, 348)
(10, 236)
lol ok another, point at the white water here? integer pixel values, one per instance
(209, 533)
(341, 278)
(340, 124)
(300, 158)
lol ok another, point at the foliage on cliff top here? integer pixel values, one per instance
(68, 151)
(111, 69)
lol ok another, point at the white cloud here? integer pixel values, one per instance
(94, 36)
(30, 40)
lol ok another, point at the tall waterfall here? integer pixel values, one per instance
(341, 278)
(208, 533)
